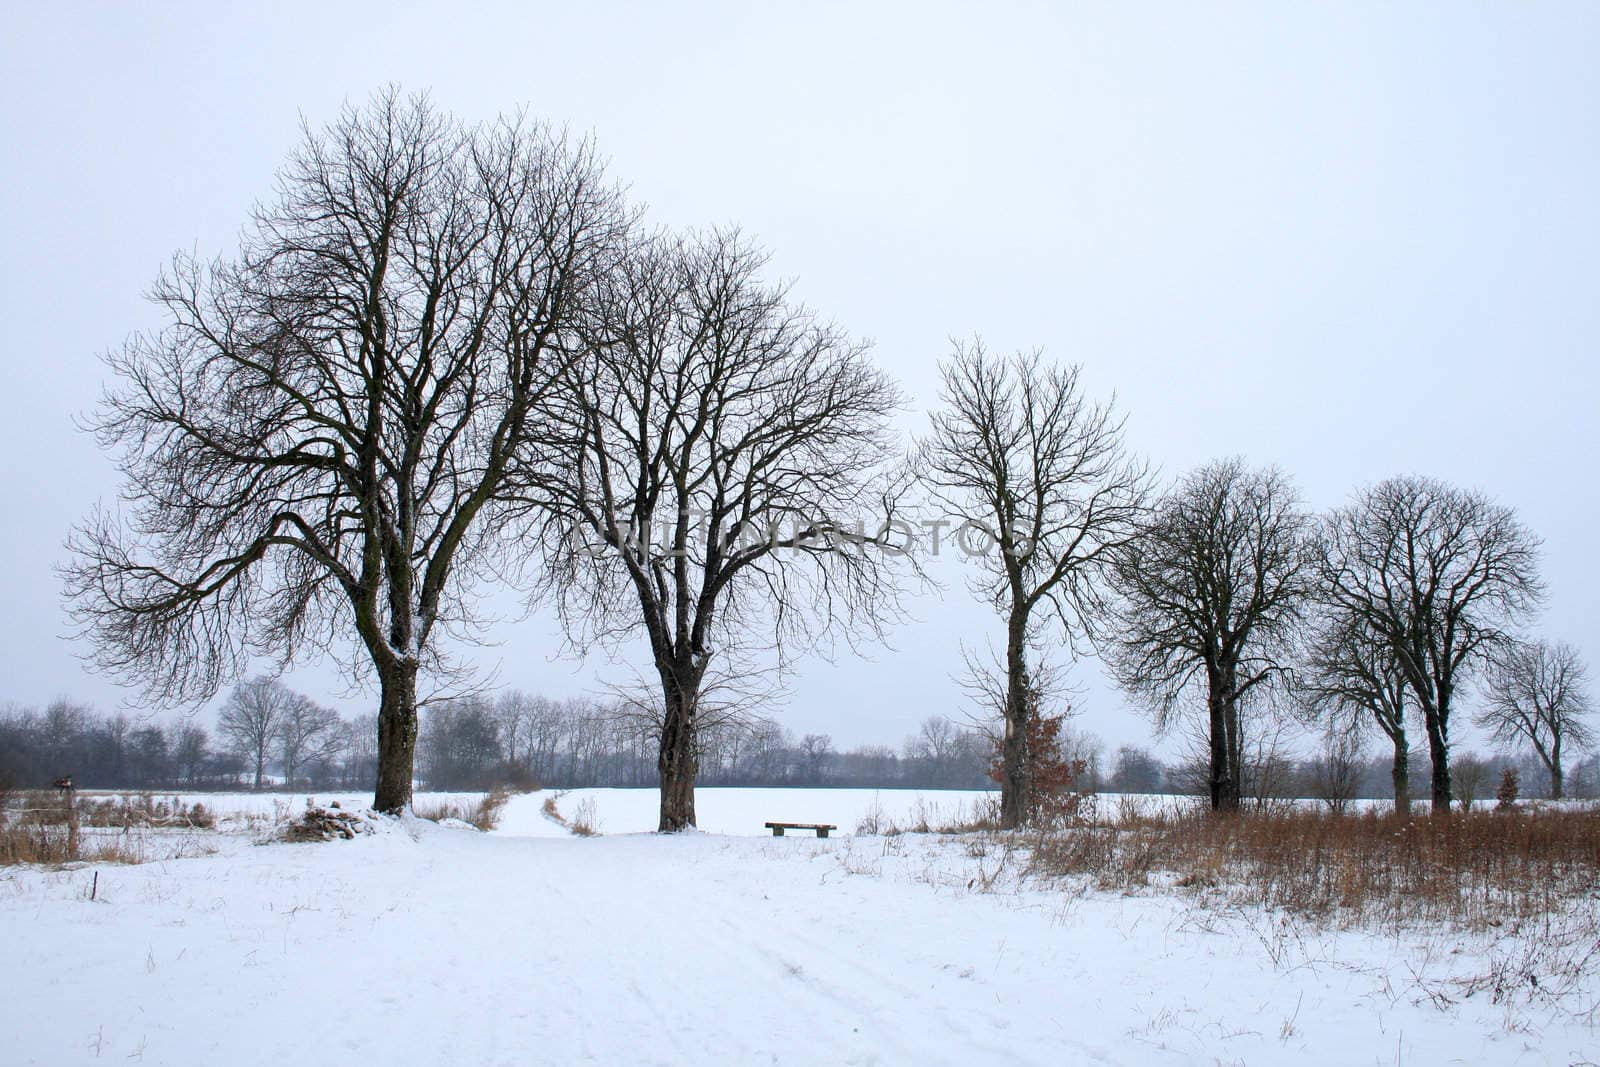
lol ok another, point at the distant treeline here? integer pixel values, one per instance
(267, 736)
(527, 740)
(119, 751)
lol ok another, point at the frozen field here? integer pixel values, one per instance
(420, 944)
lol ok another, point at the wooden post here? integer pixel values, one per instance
(69, 798)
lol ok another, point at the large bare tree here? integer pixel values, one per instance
(1210, 598)
(1437, 576)
(1537, 695)
(1018, 452)
(1352, 678)
(308, 446)
(722, 442)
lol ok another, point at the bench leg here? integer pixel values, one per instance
(822, 832)
(777, 831)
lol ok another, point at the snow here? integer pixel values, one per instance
(744, 812)
(422, 944)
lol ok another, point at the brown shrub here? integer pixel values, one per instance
(1506, 796)
(1055, 796)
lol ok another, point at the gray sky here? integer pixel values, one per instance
(1353, 240)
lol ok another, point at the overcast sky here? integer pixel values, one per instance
(1351, 240)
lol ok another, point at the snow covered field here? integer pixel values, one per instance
(744, 812)
(421, 944)
(739, 812)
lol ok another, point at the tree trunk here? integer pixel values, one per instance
(1235, 747)
(397, 738)
(261, 760)
(1400, 774)
(1224, 787)
(1016, 778)
(676, 762)
(1439, 752)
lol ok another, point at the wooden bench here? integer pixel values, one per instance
(778, 828)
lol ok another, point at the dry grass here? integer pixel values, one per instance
(145, 809)
(874, 822)
(978, 816)
(35, 828)
(483, 813)
(1476, 869)
(1523, 885)
(584, 821)
(23, 843)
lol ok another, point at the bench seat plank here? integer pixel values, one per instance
(821, 828)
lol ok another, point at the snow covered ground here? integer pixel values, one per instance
(421, 944)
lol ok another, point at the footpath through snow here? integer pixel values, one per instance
(429, 945)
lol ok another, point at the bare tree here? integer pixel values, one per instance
(460, 747)
(1210, 597)
(512, 711)
(938, 741)
(1584, 780)
(249, 722)
(547, 726)
(1266, 763)
(1470, 773)
(1336, 772)
(721, 440)
(1047, 488)
(1437, 576)
(361, 748)
(309, 444)
(307, 733)
(1136, 771)
(1352, 678)
(117, 732)
(1537, 695)
(190, 752)
(818, 752)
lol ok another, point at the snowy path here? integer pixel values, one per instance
(453, 947)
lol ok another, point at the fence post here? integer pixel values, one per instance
(69, 798)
